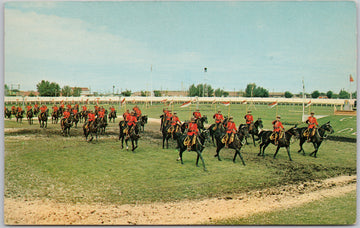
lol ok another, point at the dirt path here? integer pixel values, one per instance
(185, 212)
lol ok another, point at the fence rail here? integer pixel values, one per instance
(115, 100)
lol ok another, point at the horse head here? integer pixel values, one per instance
(204, 118)
(258, 123)
(327, 127)
(293, 132)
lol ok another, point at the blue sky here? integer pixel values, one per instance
(105, 44)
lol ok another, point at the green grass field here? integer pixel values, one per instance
(333, 211)
(40, 163)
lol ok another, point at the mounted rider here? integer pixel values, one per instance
(137, 111)
(168, 116)
(219, 118)
(175, 123)
(278, 129)
(66, 115)
(132, 120)
(28, 107)
(90, 120)
(192, 133)
(230, 132)
(249, 120)
(312, 126)
(43, 110)
(197, 114)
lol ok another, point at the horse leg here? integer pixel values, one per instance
(277, 150)
(288, 151)
(263, 151)
(316, 147)
(238, 152)
(202, 159)
(302, 141)
(261, 145)
(126, 142)
(253, 138)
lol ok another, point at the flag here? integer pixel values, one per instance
(244, 102)
(170, 102)
(123, 101)
(273, 104)
(226, 103)
(308, 104)
(351, 78)
(163, 101)
(214, 101)
(186, 104)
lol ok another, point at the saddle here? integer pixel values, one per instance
(309, 132)
(228, 139)
(188, 142)
(281, 135)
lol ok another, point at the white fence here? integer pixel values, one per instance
(117, 100)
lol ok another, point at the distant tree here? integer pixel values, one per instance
(329, 94)
(288, 94)
(66, 91)
(157, 93)
(344, 95)
(353, 95)
(221, 93)
(193, 91)
(6, 90)
(315, 94)
(45, 88)
(252, 90)
(31, 94)
(76, 92)
(143, 93)
(126, 93)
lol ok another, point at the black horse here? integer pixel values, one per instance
(112, 116)
(220, 132)
(198, 147)
(316, 139)
(200, 122)
(254, 130)
(19, 115)
(7, 113)
(29, 116)
(76, 118)
(126, 133)
(66, 124)
(143, 120)
(168, 132)
(91, 129)
(43, 118)
(266, 139)
(102, 124)
(84, 115)
(55, 116)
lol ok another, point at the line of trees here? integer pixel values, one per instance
(205, 90)
(329, 94)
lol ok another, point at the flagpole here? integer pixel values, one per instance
(303, 113)
(229, 111)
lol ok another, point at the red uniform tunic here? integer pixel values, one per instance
(218, 118)
(55, 109)
(66, 114)
(101, 114)
(84, 108)
(231, 127)
(132, 120)
(36, 105)
(249, 118)
(112, 109)
(197, 115)
(68, 106)
(43, 109)
(74, 111)
(193, 129)
(19, 109)
(312, 122)
(28, 107)
(175, 120)
(125, 115)
(91, 117)
(277, 125)
(168, 116)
